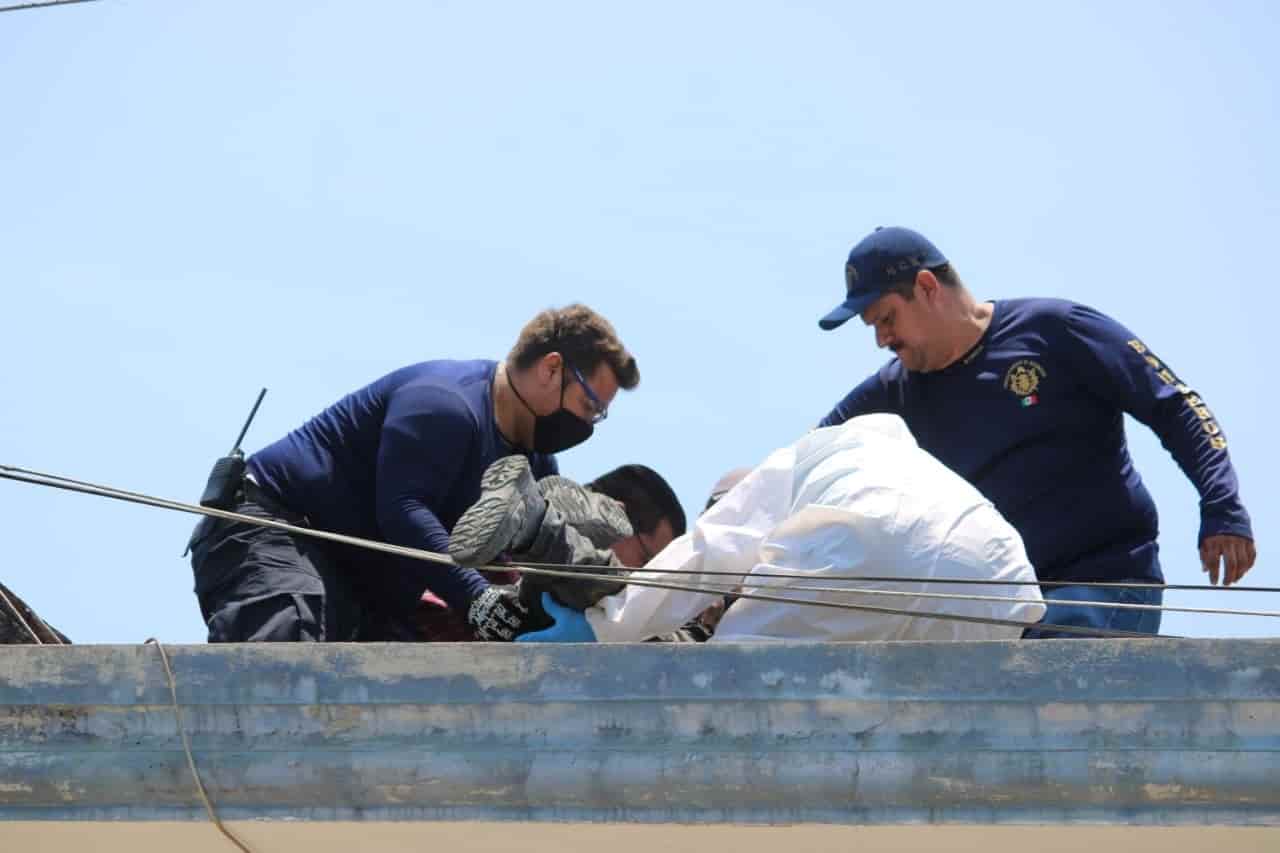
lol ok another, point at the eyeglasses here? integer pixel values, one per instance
(599, 411)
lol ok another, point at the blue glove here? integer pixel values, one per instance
(571, 625)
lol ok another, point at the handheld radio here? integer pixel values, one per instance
(228, 472)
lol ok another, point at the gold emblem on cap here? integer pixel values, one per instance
(1023, 378)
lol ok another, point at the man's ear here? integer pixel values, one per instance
(549, 367)
(928, 284)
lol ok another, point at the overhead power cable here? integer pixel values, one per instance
(1114, 605)
(571, 572)
(19, 7)
(842, 605)
(899, 579)
(908, 579)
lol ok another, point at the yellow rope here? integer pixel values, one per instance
(186, 745)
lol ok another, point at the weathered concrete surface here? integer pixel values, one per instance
(1156, 731)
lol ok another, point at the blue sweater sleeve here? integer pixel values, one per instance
(424, 444)
(1122, 370)
(868, 398)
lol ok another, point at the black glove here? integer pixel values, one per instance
(497, 615)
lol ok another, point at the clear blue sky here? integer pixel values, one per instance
(203, 198)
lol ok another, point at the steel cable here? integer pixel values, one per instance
(962, 581)
(559, 570)
(40, 4)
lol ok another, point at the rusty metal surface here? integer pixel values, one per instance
(1150, 731)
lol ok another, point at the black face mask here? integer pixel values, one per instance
(557, 431)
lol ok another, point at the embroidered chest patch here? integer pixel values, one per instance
(1023, 379)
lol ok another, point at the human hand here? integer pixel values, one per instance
(497, 614)
(570, 626)
(711, 617)
(1236, 552)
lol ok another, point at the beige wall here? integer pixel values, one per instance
(263, 837)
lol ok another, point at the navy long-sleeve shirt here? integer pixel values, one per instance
(1033, 418)
(397, 461)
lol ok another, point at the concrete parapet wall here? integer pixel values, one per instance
(1146, 731)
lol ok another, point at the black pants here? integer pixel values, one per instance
(257, 584)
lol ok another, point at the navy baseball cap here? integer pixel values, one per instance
(885, 257)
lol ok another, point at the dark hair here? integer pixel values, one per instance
(647, 497)
(582, 337)
(906, 288)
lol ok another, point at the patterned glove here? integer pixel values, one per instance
(497, 615)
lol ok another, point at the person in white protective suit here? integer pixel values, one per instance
(857, 499)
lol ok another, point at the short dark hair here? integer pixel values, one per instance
(906, 288)
(647, 497)
(583, 337)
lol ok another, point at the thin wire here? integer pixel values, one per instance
(18, 615)
(186, 746)
(850, 578)
(66, 483)
(840, 605)
(60, 479)
(961, 597)
(56, 482)
(40, 5)
(446, 560)
(782, 575)
(963, 581)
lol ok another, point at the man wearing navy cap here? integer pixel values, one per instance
(1025, 399)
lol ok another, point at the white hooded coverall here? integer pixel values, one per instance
(856, 499)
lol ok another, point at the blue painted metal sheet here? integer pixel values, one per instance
(1147, 731)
